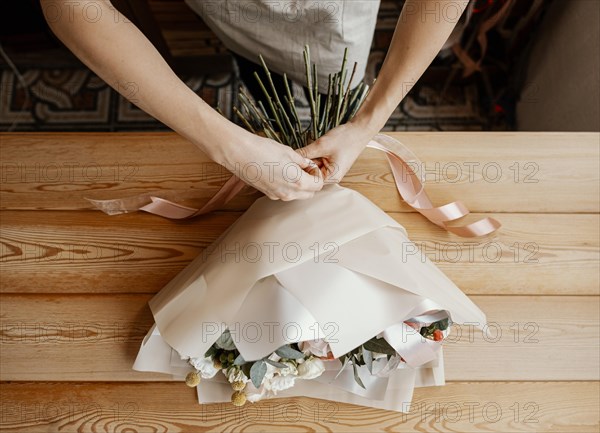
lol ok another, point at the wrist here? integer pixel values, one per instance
(220, 139)
(368, 122)
(366, 127)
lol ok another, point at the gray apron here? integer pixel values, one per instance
(279, 30)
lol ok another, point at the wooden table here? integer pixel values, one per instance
(76, 282)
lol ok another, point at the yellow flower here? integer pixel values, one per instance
(238, 385)
(238, 398)
(192, 379)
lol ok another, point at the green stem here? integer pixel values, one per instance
(345, 103)
(270, 79)
(244, 120)
(292, 104)
(271, 106)
(309, 85)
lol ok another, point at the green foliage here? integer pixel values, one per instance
(225, 341)
(280, 122)
(288, 352)
(379, 345)
(257, 372)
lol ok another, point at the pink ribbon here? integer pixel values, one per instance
(407, 182)
(413, 193)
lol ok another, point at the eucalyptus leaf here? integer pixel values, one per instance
(275, 364)
(289, 353)
(368, 358)
(212, 350)
(239, 360)
(357, 377)
(257, 372)
(225, 341)
(379, 345)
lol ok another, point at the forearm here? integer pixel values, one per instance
(122, 56)
(423, 28)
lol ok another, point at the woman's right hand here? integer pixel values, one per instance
(270, 167)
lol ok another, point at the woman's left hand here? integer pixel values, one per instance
(336, 151)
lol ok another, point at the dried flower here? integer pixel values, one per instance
(235, 374)
(192, 379)
(238, 385)
(318, 347)
(279, 383)
(205, 367)
(238, 398)
(311, 368)
(290, 370)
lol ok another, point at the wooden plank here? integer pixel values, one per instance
(89, 252)
(96, 337)
(466, 407)
(490, 172)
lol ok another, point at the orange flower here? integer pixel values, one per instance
(329, 356)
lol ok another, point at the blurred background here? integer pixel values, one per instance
(511, 65)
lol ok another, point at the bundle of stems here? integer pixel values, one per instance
(279, 120)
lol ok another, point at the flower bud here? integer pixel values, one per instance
(238, 398)
(192, 379)
(238, 385)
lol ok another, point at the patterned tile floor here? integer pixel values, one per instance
(76, 99)
(73, 98)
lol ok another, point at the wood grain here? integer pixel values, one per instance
(89, 252)
(75, 285)
(490, 172)
(96, 337)
(161, 407)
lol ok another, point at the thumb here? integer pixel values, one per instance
(304, 163)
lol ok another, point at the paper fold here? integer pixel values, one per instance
(335, 267)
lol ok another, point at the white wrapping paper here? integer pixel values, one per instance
(335, 267)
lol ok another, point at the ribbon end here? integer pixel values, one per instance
(109, 207)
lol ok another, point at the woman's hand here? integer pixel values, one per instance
(121, 55)
(336, 151)
(272, 168)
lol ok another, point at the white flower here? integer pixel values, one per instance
(317, 347)
(279, 383)
(253, 394)
(235, 374)
(205, 366)
(290, 370)
(271, 370)
(274, 357)
(311, 368)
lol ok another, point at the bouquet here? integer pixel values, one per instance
(294, 300)
(254, 380)
(281, 121)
